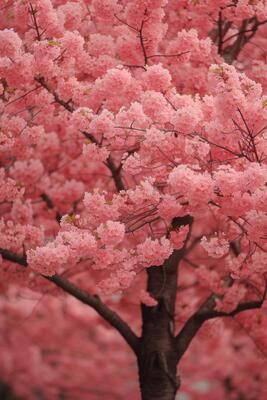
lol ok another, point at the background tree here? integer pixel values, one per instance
(133, 172)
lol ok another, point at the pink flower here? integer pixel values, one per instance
(99, 207)
(196, 187)
(48, 260)
(147, 299)
(105, 9)
(111, 233)
(156, 78)
(154, 252)
(169, 208)
(93, 153)
(10, 43)
(216, 247)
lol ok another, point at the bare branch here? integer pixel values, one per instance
(23, 95)
(243, 36)
(16, 258)
(205, 312)
(169, 55)
(50, 205)
(91, 300)
(142, 40)
(36, 27)
(125, 23)
(65, 104)
(115, 171)
(220, 33)
(105, 312)
(250, 30)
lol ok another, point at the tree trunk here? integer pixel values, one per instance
(157, 356)
(158, 350)
(6, 392)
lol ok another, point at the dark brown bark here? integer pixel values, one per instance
(246, 32)
(7, 393)
(157, 356)
(158, 353)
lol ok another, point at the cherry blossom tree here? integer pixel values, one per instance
(133, 199)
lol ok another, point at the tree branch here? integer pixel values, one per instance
(7, 393)
(50, 205)
(65, 104)
(15, 258)
(115, 171)
(220, 33)
(231, 52)
(95, 302)
(205, 312)
(91, 300)
(241, 307)
(36, 27)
